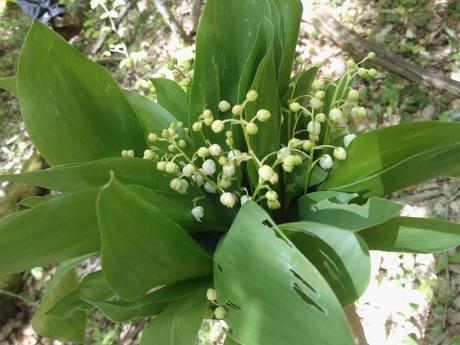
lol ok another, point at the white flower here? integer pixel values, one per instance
(228, 169)
(321, 118)
(184, 186)
(340, 153)
(316, 103)
(275, 178)
(271, 195)
(244, 199)
(265, 172)
(198, 213)
(161, 166)
(148, 154)
(283, 153)
(210, 188)
(196, 127)
(263, 115)
(353, 95)
(208, 167)
(211, 294)
(215, 150)
(220, 313)
(237, 109)
(336, 115)
(228, 199)
(188, 170)
(224, 106)
(306, 145)
(203, 152)
(314, 128)
(171, 167)
(326, 162)
(198, 179)
(153, 137)
(233, 154)
(273, 205)
(348, 139)
(252, 95)
(176, 184)
(217, 126)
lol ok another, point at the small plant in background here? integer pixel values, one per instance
(242, 194)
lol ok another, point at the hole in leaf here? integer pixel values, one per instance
(302, 294)
(302, 280)
(232, 305)
(219, 267)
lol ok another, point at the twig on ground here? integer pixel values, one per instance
(18, 297)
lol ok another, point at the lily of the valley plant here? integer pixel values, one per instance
(243, 196)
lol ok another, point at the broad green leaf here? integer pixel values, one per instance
(222, 48)
(350, 217)
(341, 256)
(301, 84)
(178, 323)
(33, 201)
(291, 14)
(61, 228)
(264, 281)
(78, 176)
(92, 287)
(414, 235)
(141, 246)
(392, 158)
(172, 97)
(152, 303)
(71, 328)
(73, 109)
(9, 84)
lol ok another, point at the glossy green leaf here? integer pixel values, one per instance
(264, 281)
(301, 84)
(392, 158)
(172, 97)
(71, 328)
(73, 109)
(347, 216)
(179, 323)
(33, 201)
(414, 235)
(141, 246)
(340, 256)
(9, 84)
(78, 176)
(61, 228)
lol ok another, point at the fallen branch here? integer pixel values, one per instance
(355, 324)
(169, 19)
(359, 47)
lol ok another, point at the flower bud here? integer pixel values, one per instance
(196, 127)
(228, 199)
(371, 55)
(295, 107)
(351, 64)
(273, 205)
(210, 188)
(182, 143)
(209, 167)
(180, 124)
(211, 295)
(336, 115)
(188, 170)
(198, 213)
(224, 182)
(207, 113)
(171, 148)
(362, 72)
(316, 103)
(372, 72)
(318, 84)
(252, 95)
(271, 195)
(297, 160)
(244, 199)
(294, 143)
(161, 166)
(275, 178)
(265, 172)
(321, 118)
(153, 137)
(353, 95)
(171, 167)
(283, 153)
(326, 162)
(208, 121)
(220, 313)
(222, 160)
(229, 134)
(176, 184)
(217, 126)
(288, 167)
(251, 128)
(307, 145)
(215, 150)
(340, 153)
(184, 186)
(224, 106)
(320, 94)
(237, 109)
(348, 139)
(228, 169)
(314, 127)
(203, 152)
(148, 155)
(263, 115)
(361, 112)
(198, 179)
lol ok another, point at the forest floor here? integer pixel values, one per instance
(412, 299)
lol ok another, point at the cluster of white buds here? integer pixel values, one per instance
(182, 72)
(219, 312)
